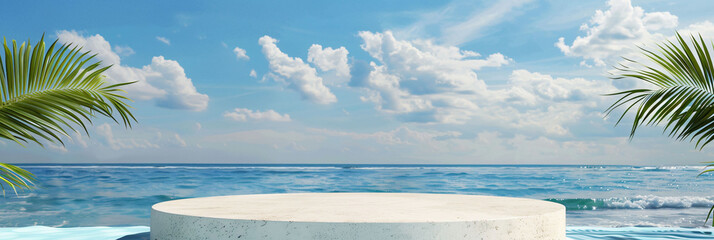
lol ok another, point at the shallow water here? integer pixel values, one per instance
(121, 195)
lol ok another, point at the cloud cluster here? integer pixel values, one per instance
(540, 101)
(705, 28)
(244, 114)
(297, 74)
(329, 59)
(163, 81)
(420, 80)
(617, 31)
(532, 88)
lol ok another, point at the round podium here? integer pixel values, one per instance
(373, 216)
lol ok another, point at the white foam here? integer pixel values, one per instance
(656, 202)
(79, 233)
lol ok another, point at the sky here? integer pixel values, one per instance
(363, 82)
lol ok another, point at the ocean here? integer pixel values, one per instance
(597, 198)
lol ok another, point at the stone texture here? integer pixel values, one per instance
(371, 216)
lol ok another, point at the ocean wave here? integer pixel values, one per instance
(668, 168)
(637, 202)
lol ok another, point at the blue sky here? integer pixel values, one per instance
(397, 82)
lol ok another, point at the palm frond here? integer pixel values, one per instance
(15, 177)
(707, 168)
(683, 95)
(46, 92)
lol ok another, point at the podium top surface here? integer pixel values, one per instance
(360, 207)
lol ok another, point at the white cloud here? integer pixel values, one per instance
(163, 81)
(180, 93)
(253, 74)
(199, 126)
(545, 88)
(328, 59)
(78, 139)
(240, 54)
(617, 31)
(540, 101)
(124, 51)
(105, 131)
(706, 29)
(244, 114)
(58, 148)
(94, 43)
(420, 80)
(655, 21)
(298, 74)
(163, 40)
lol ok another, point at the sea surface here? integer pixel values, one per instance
(647, 198)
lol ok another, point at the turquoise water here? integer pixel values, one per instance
(602, 197)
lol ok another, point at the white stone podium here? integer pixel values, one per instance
(373, 216)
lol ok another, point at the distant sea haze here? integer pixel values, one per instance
(122, 194)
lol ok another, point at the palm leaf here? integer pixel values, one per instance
(44, 93)
(682, 97)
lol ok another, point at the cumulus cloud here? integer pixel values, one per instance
(163, 40)
(240, 54)
(328, 59)
(244, 115)
(706, 29)
(253, 74)
(164, 81)
(544, 88)
(541, 101)
(617, 31)
(420, 80)
(94, 43)
(297, 74)
(180, 93)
